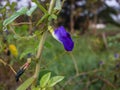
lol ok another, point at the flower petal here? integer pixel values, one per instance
(63, 37)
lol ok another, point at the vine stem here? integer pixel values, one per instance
(41, 44)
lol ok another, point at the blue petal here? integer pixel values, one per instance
(64, 37)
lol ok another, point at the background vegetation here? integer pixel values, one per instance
(94, 63)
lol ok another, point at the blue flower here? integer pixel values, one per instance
(63, 37)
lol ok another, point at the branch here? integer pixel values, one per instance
(82, 73)
(21, 23)
(12, 69)
(106, 82)
(41, 44)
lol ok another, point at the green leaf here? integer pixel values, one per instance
(53, 81)
(35, 87)
(40, 6)
(44, 80)
(22, 11)
(43, 72)
(58, 5)
(26, 84)
(27, 51)
(24, 54)
(32, 9)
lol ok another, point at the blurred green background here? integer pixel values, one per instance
(94, 63)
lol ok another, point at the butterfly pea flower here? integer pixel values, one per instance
(63, 37)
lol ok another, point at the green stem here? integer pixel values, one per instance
(41, 44)
(39, 53)
(75, 63)
(52, 3)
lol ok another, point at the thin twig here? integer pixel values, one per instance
(106, 81)
(89, 83)
(104, 40)
(11, 28)
(3, 62)
(82, 73)
(21, 23)
(21, 37)
(12, 69)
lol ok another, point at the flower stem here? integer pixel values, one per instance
(75, 63)
(41, 44)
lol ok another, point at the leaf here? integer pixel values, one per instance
(22, 11)
(35, 87)
(53, 81)
(32, 9)
(27, 51)
(26, 84)
(58, 5)
(44, 80)
(43, 72)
